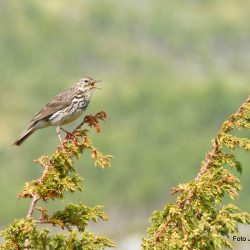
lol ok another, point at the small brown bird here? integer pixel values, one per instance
(62, 109)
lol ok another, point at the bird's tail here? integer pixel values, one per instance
(22, 137)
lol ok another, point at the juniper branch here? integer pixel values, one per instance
(197, 220)
(210, 156)
(57, 177)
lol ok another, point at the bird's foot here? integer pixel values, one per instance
(69, 135)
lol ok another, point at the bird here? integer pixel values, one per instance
(62, 109)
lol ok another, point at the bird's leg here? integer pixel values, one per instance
(58, 129)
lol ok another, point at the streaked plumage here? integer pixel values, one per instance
(62, 109)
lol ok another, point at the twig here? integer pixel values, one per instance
(159, 233)
(34, 200)
(80, 125)
(209, 158)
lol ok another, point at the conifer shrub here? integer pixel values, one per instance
(59, 176)
(199, 218)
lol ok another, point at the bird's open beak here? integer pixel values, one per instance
(92, 84)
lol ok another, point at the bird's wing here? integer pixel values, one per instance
(59, 102)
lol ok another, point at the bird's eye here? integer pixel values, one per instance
(86, 81)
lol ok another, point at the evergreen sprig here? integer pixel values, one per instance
(59, 176)
(198, 219)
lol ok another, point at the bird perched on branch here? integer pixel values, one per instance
(62, 109)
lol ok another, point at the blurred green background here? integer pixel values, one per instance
(172, 72)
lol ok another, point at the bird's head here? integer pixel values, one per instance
(87, 84)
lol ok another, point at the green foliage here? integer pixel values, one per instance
(77, 215)
(59, 176)
(199, 219)
(25, 230)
